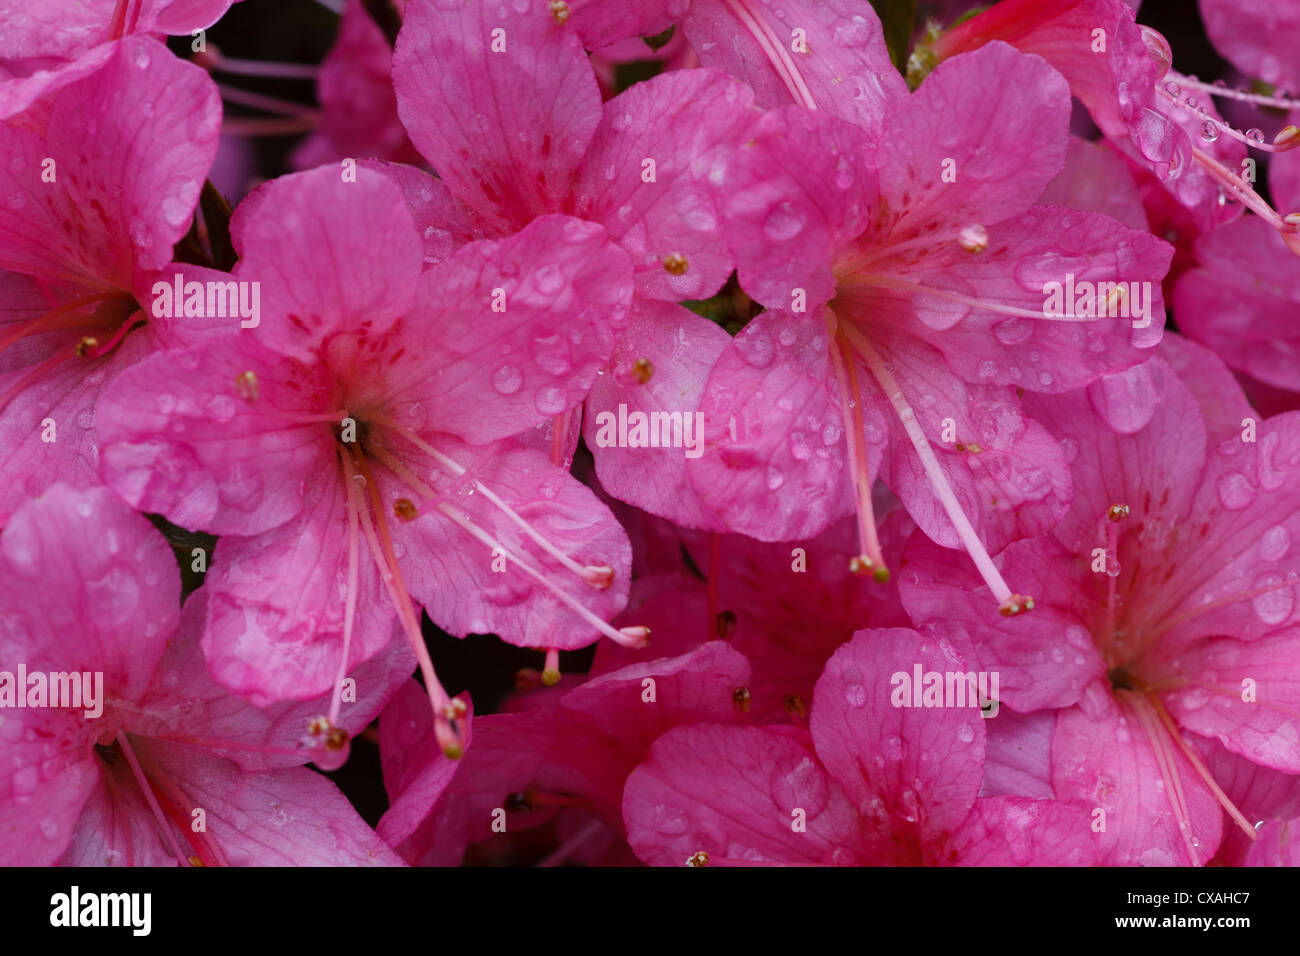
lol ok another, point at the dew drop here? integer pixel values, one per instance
(507, 380)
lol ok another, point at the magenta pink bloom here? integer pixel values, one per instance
(1242, 296)
(354, 450)
(358, 106)
(873, 783)
(1164, 121)
(1167, 608)
(87, 220)
(62, 30)
(573, 753)
(647, 166)
(1257, 37)
(122, 773)
(906, 306)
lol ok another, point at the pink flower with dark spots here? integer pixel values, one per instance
(907, 284)
(647, 165)
(1168, 610)
(358, 442)
(87, 222)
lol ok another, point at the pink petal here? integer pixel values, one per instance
(195, 450)
(123, 196)
(798, 190)
(688, 122)
(1045, 658)
(773, 424)
(460, 580)
(735, 793)
(1017, 484)
(1097, 179)
(968, 110)
(508, 157)
(88, 584)
(330, 256)
(913, 773)
(275, 610)
(1018, 831)
(1104, 756)
(846, 70)
(681, 348)
(1244, 316)
(1211, 696)
(564, 289)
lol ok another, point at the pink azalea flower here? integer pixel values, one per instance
(1125, 80)
(88, 587)
(1167, 610)
(573, 753)
(1257, 37)
(873, 783)
(95, 190)
(355, 90)
(354, 450)
(1241, 297)
(646, 165)
(65, 29)
(905, 308)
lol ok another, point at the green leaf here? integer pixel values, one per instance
(897, 17)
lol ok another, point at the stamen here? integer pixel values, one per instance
(246, 385)
(1008, 603)
(551, 670)
(794, 706)
(350, 603)
(32, 375)
(270, 104)
(1211, 127)
(598, 576)
(872, 560)
(1173, 779)
(95, 350)
(150, 797)
(207, 850)
(676, 264)
(213, 59)
(774, 50)
(386, 562)
(69, 314)
(889, 282)
(634, 637)
(86, 346)
(239, 126)
(1259, 99)
(560, 11)
(643, 370)
(741, 697)
(698, 858)
(1195, 761)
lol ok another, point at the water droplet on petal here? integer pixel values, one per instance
(507, 380)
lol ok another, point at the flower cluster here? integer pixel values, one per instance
(909, 426)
